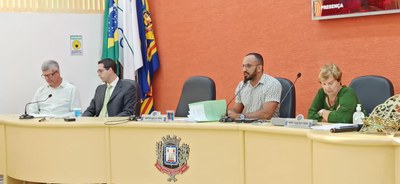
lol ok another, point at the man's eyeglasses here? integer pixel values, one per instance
(248, 65)
(49, 75)
(101, 70)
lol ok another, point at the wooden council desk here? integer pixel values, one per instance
(87, 151)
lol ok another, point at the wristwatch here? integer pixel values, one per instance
(242, 116)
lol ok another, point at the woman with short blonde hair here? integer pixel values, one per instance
(334, 102)
(330, 70)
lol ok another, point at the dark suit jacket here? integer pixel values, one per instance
(124, 101)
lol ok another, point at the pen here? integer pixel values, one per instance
(350, 128)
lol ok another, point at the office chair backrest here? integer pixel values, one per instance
(138, 93)
(288, 106)
(195, 89)
(372, 90)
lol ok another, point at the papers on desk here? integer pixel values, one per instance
(184, 120)
(197, 112)
(210, 110)
(330, 126)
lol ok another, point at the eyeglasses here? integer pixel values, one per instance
(248, 65)
(101, 70)
(49, 75)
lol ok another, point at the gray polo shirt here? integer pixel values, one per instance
(268, 89)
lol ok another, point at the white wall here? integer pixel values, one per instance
(28, 39)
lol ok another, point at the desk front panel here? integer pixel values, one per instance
(2, 150)
(216, 155)
(277, 158)
(397, 164)
(349, 164)
(57, 154)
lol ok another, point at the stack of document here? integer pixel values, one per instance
(210, 110)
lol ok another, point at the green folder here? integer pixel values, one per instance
(210, 110)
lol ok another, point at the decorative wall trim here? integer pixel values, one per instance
(53, 6)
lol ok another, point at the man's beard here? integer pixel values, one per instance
(251, 76)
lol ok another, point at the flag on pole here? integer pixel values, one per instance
(130, 54)
(121, 41)
(151, 61)
(110, 33)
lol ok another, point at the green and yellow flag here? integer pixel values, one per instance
(110, 33)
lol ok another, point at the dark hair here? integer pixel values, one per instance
(258, 57)
(109, 63)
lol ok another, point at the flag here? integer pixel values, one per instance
(110, 33)
(151, 61)
(121, 41)
(130, 55)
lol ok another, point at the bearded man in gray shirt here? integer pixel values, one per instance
(258, 96)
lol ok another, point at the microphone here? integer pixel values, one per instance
(290, 88)
(226, 118)
(130, 118)
(347, 128)
(26, 115)
(137, 105)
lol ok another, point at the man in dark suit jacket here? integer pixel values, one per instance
(123, 94)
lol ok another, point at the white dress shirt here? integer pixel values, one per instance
(64, 98)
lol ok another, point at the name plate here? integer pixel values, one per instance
(305, 123)
(298, 122)
(158, 118)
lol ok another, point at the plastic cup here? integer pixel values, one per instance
(77, 112)
(170, 115)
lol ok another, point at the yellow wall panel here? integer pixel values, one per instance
(54, 6)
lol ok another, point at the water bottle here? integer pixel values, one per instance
(358, 115)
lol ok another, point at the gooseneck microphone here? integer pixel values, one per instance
(26, 115)
(290, 88)
(226, 118)
(137, 106)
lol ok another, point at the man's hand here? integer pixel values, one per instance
(233, 114)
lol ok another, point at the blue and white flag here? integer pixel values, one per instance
(130, 54)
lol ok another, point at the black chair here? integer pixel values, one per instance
(195, 89)
(372, 90)
(138, 103)
(288, 105)
(138, 94)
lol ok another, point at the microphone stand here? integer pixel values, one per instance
(134, 117)
(290, 88)
(226, 118)
(26, 115)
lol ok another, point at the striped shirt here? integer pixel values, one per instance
(268, 89)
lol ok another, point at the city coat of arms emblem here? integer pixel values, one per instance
(171, 157)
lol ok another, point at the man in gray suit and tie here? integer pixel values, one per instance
(117, 97)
